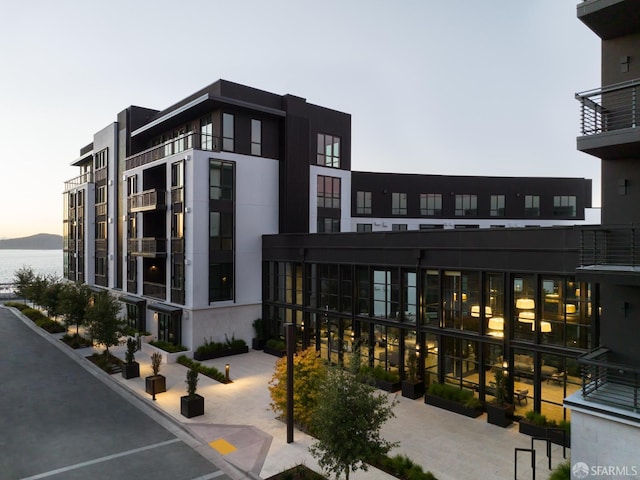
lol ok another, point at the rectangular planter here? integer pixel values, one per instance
(412, 390)
(387, 386)
(501, 415)
(192, 406)
(130, 370)
(552, 433)
(166, 356)
(155, 384)
(275, 352)
(452, 406)
(224, 352)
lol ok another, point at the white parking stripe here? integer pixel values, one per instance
(219, 473)
(103, 459)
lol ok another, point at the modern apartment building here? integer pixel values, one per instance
(606, 417)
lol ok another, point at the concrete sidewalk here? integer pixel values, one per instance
(451, 446)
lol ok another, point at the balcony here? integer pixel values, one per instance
(604, 382)
(146, 201)
(610, 120)
(75, 182)
(197, 141)
(610, 251)
(610, 18)
(148, 247)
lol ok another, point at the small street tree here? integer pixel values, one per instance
(103, 320)
(23, 279)
(50, 297)
(309, 372)
(74, 304)
(347, 422)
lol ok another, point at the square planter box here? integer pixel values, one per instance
(452, 406)
(552, 433)
(275, 352)
(130, 370)
(412, 390)
(501, 415)
(192, 406)
(155, 384)
(387, 386)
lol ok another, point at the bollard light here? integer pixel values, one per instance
(226, 373)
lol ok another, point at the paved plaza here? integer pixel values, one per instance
(237, 437)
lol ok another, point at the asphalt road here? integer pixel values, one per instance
(60, 420)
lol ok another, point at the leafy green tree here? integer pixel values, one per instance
(23, 279)
(347, 422)
(309, 372)
(50, 297)
(74, 304)
(38, 288)
(103, 319)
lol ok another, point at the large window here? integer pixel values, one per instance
(228, 135)
(206, 133)
(363, 203)
(398, 203)
(431, 204)
(461, 307)
(466, 206)
(328, 192)
(221, 230)
(220, 180)
(100, 159)
(169, 328)
(101, 194)
(220, 282)
(256, 137)
(399, 227)
(328, 225)
(386, 293)
(531, 205)
(364, 227)
(497, 206)
(328, 150)
(564, 206)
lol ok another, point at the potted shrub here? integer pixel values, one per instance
(155, 383)
(453, 399)
(192, 404)
(500, 412)
(131, 368)
(257, 343)
(412, 386)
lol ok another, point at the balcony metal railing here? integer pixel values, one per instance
(152, 199)
(101, 209)
(156, 290)
(147, 247)
(618, 246)
(609, 383)
(75, 182)
(610, 108)
(196, 140)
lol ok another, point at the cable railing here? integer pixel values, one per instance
(610, 108)
(608, 382)
(618, 246)
(199, 141)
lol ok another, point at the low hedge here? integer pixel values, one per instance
(168, 347)
(455, 394)
(210, 346)
(33, 314)
(50, 325)
(76, 341)
(18, 305)
(541, 420)
(379, 373)
(402, 467)
(211, 372)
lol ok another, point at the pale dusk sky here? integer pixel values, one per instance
(454, 88)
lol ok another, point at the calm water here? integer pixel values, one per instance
(43, 262)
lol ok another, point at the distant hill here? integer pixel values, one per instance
(41, 241)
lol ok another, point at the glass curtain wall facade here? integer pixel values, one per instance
(463, 325)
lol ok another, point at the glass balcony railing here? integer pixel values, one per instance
(198, 141)
(148, 247)
(152, 199)
(610, 108)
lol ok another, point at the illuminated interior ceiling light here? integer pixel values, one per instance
(525, 304)
(545, 327)
(475, 311)
(570, 308)
(526, 317)
(496, 323)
